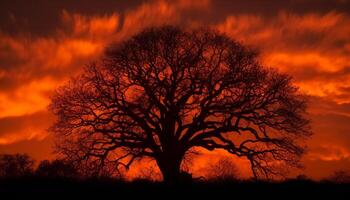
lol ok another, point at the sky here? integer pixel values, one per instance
(44, 43)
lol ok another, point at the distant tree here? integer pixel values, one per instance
(149, 173)
(15, 165)
(340, 176)
(166, 91)
(56, 169)
(302, 177)
(223, 169)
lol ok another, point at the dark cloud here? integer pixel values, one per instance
(325, 105)
(322, 169)
(78, 39)
(330, 125)
(38, 149)
(35, 121)
(31, 127)
(274, 6)
(332, 129)
(312, 73)
(329, 147)
(42, 17)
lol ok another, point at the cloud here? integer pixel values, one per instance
(331, 128)
(39, 149)
(329, 147)
(26, 127)
(32, 66)
(329, 153)
(320, 169)
(312, 47)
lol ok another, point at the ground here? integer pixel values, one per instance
(49, 189)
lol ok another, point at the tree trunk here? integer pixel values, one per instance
(169, 165)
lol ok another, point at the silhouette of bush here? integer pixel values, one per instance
(56, 169)
(15, 166)
(340, 176)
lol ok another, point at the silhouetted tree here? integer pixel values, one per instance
(223, 169)
(167, 90)
(340, 176)
(149, 173)
(302, 177)
(15, 165)
(56, 169)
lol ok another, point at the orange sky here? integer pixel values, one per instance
(42, 46)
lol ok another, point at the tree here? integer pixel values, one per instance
(166, 91)
(222, 170)
(340, 176)
(56, 169)
(16, 165)
(149, 173)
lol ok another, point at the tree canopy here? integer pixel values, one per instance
(168, 90)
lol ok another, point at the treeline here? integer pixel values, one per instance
(18, 166)
(22, 165)
(21, 176)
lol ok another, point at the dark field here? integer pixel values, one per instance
(61, 188)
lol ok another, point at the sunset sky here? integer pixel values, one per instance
(45, 42)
